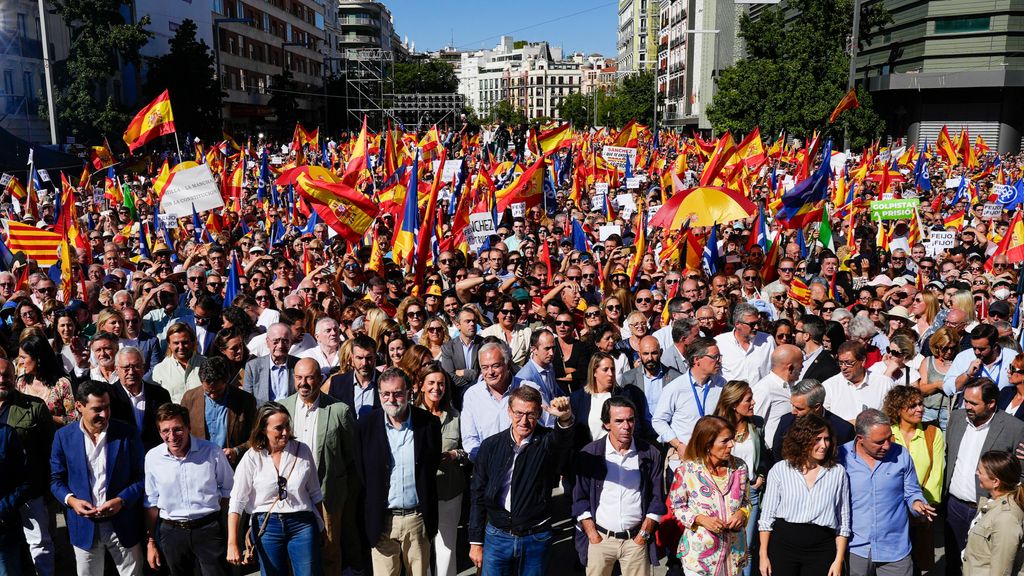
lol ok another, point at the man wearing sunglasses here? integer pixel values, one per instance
(986, 358)
(746, 351)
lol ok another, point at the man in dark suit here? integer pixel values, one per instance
(973, 430)
(651, 376)
(270, 377)
(232, 411)
(133, 400)
(459, 355)
(357, 388)
(400, 452)
(819, 364)
(31, 422)
(101, 516)
(808, 397)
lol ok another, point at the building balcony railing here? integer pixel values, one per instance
(358, 21)
(356, 39)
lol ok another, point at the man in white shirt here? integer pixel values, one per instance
(328, 340)
(771, 393)
(977, 428)
(855, 389)
(104, 347)
(746, 352)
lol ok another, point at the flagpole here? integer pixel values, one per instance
(176, 145)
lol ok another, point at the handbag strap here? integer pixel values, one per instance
(929, 439)
(266, 518)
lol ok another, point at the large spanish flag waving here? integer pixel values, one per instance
(344, 209)
(152, 121)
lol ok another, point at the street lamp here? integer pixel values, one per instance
(216, 52)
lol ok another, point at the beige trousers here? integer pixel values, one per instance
(632, 558)
(403, 541)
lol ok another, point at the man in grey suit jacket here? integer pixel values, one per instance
(650, 376)
(454, 354)
(270, 377)
(327, 426)
(977, 428)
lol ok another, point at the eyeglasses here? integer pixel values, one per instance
(783, 336)
(895, 353)
(847, 363)
(752, 324)
(659, 302)
(397, 394)
(195, 278)
(875, 310)
(714, 357)
(563, 323)
(434, 329)
(447, 261)
(414, 313)
(573, 278)
(613, 307)
(351, 266)
(529, 416)
(506, 311)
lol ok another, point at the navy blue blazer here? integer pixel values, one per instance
(842, 431)
(580, 401)
(15, 489)
(1005, 396)
(341, 387)
(69, 474)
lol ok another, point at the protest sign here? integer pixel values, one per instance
(616, 155)
(191, 187)
(939, 241)
(893, 209)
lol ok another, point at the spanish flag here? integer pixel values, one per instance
(1012, 244)
(100, 156)
(154, 120)
(848, 102)
(554, 139)
(944, 146)
(15, 188)
(347, 211)
(954, 220)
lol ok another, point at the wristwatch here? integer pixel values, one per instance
(645, 535)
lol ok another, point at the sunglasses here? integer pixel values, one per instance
(282, 487)
(828, 308)
(506, 311)
(1013, 370)
(750, 278)
(563, 323)
(643, 300)
(592, 315)
(613, 307)
(414, 313)
(671, 281)
(786, 270)
(895, 353)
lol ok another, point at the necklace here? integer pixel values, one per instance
(741, 434)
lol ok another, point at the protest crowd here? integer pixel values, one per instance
(350, 353)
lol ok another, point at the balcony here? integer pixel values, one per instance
(358, 21)
(356, 39)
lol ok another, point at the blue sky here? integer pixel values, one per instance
(576, 25)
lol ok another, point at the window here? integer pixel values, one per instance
(266, 22)
(22, 30)
(961, 24)
(319, 21)
(218, 6)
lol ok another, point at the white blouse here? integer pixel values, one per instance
(255, 488)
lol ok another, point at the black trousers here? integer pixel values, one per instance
(200, 550)
(801, 549)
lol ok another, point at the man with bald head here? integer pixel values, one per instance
(771, 393)
(327, 426)
(651, 375)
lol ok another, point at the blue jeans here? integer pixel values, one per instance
(505, 554)
(291, 539)
(752, 535)
(12, 539)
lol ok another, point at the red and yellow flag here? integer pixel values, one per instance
(848, 102)
(39, 245)
(100, 156)
(154, 120)
(344, 209)
(944, 146)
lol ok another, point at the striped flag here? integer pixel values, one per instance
(37, 244)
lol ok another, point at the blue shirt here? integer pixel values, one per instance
(680, 406)
(653, 385)
(188, 488)
(217, 420)
(468, 352)
(402, 492)
(278, 381)
(362, 398)
(998, 371)
(482, 416)
(879, 501)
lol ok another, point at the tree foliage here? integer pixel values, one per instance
(577, 109)
(505, 113)
(282, 101)
(425, 77)
(101, 41)
(632, 98)
(187, 72)
(796, 72)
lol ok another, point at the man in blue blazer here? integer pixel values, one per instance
(96, 470)
(539, 371)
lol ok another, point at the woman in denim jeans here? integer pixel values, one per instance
(276, 482)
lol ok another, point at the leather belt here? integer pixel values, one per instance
(192, 524)
(403, 511)
(624, 535)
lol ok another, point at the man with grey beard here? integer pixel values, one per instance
(34, 427)
(401, 450)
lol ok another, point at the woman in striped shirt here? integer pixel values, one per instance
(805, 510)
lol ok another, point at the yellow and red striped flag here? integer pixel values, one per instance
(39, 245)
(848, 102)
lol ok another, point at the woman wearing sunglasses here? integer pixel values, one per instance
(1012, 397)
(944, 344)
(570, 354)
(276, 481)
(897, 358)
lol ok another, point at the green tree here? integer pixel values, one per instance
(187, 72)
(577, 109)
(507, 114)
(425, 77)
(101, 41)
(795, 73)
(633, 99)
(283, 102)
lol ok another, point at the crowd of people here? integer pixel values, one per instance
(242, 398)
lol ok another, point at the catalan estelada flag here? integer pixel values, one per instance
(154, 120)
(39, 245)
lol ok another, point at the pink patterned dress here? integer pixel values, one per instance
(695, 492)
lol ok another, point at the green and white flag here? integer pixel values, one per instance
(825, 231)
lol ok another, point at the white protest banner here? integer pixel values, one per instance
(97, 196)
(518, 209)
(953, 183)
(597, 202)
(607, 230)
(600, 188)
(169, 221)
(5, 180)
(838, 162)
(632, 183)
(626, 201)
(616, 155)
(939, 241)
(43, 175)
(451, 168)
(481, 225)
(191, 187)
(991, 211)
(276, 160)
